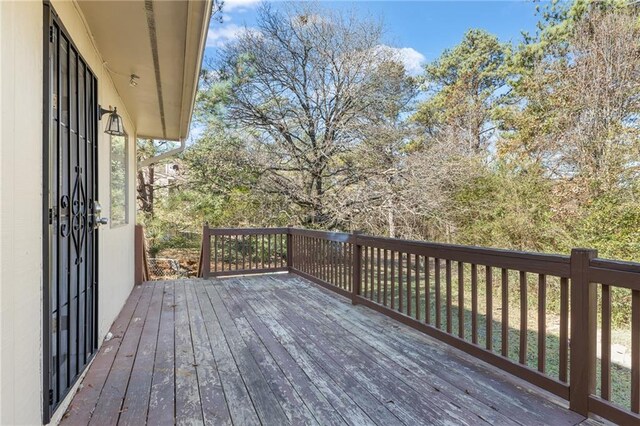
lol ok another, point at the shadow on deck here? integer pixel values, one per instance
(277, 349)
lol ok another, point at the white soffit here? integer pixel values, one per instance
(162, 42)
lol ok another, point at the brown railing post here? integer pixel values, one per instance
(206, 251)
(582, 380)
(290, 248)
(356, 267)
(141, 271)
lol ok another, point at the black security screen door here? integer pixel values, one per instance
(70, 181)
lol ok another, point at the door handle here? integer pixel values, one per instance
(98, 220)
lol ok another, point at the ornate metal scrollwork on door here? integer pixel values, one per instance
(79, 214)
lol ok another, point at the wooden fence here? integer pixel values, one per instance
(448, 292)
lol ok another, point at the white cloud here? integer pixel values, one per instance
(412, 60)
(219, 35)
(239, 5)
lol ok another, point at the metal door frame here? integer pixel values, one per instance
(48, 155)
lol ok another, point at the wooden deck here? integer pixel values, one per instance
(276, 350)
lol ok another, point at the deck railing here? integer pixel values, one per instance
(465, 296)
(233, 251)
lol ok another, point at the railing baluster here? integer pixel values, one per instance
(379, 271)
(409, 284)
(366, 271)
(461, 300)
(253, 258)
(400, 282)
(385, 292)
(245, 253)
(449, 298)
(222, 254)
(489, 315)
(372, 272)
(505, 313)
(427, 290)
(417, 277)
(339, 266)
(438, 293)
(393, 279)
(474, 303)
(215, 252)
(305, 253)
(605, 357)
(342, 253)
(542, 322)
(334, 260)
(236, 246)
(564, 329)
(321, 260)
(524, 317)
(330, 268)
(350, 270)
(316, 256)
(343, 263)
(635, 351)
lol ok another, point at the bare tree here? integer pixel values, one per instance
(304, 88)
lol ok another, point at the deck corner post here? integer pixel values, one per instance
(357, 267)
(290, 248)
(582, 380)
(141, 270)
(206, 251)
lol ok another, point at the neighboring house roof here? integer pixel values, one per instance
(162, 42)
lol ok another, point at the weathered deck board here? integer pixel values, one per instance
(379, 373)
(293, 406)
(136, 401)
(188, 406)
(109, 403)
(276, 349)
(162, 397)
(84, 402)
(264, 401)
(383, 403)
(214, 406)
(433, 363)
(238, 400)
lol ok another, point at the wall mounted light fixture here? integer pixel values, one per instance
(114, 125)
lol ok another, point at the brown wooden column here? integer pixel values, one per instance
(582, 380)
(141, 272)
(357, 267)
(206, 251)
(290, 248)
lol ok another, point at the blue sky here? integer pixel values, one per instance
(422, 29)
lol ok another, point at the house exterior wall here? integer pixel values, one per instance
(21, 172)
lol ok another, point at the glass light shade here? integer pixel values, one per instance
(114, 124)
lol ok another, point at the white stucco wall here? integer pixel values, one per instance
(21, 71)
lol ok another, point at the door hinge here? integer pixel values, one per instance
(50, 216)
(50, 396)
(51, 33)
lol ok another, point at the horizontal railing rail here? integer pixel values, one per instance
(497, 305)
